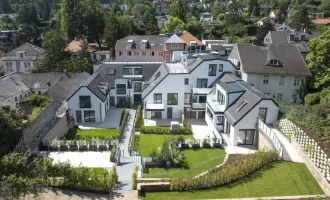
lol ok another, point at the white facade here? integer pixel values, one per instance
(95, 112)
(19, 63)
(283, 87)
(206, 17)
(189, 87)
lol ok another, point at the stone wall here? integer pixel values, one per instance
(60, 129)
(264, 142)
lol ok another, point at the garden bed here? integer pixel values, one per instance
(266, 182)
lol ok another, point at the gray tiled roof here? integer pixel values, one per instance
(155, 42)
(30, 49)
(254, 59)
(148, 69)
(92, 82)
(67, 86)
(281, 37)
(11, 85)
(41, 80)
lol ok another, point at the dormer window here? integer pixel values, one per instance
(192, 43)
(130, 44)
(241, 105)
(145, 43)
(110, 71)
(274, 62)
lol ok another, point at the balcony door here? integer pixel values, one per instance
(262, 114)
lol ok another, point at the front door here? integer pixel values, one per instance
(262, 114)
(112, 101)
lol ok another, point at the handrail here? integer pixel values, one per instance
(272, 136)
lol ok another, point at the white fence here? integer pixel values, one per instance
(272, 136)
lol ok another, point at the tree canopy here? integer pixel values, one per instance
(301, 20)
(172, 24)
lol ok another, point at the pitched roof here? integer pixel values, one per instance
(282, 37)
(154, 42)
(255, 59)
(187, 37)
(92, 83)
(251, 96)
(175, 39)
(156, 78)
(30, 49)
(40, 80)
(325, 21)
(75, 46)
(11, 85)
(148, 69)
(67, 86)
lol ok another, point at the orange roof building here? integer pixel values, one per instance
(75, 46)
(190, 40)
(325, 21)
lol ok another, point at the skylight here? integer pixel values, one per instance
(157, 75)
(241, 105)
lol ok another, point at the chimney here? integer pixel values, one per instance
(292, 36)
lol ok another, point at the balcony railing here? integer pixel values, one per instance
(214, 105)
(197, 106)
(171, 102)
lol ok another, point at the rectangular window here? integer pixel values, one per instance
(129, 53)
(121, 101)
(201, 83)
(137, 86)
(294, 98)
(280, 96)
(152, 53)
(121, 88)
(158, 98)
(220, 67)
(174, 46)
(202, 99)
(161, 53)
(262, 114)
(89, 116)
(220, 120)
(169, 112)
(186, 81)
(187, 97)
(172, 99)
(120, 53)
(136, 53)
(156, 114)
(144, 53)
(128, 71)
(282, 80)
(137, 71)
(85, 102)
(246, 137)
(110, 71)
(266, 79)
(209, 113)
(78, 116)
(27, 66)
(221, 98)
(296, 81)
(212, 70)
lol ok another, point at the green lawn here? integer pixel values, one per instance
(197, 161)
(275, 179)
(149, 142)
(102, 132)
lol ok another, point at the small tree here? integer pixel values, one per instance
(129, 102)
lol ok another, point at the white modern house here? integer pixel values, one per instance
(278, 70)
(233, 109)
(22, 59)
(181, 87)
(90, 102)
(207, 17)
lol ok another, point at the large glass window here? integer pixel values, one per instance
(246, 137)
(128, 71)
(85, 102)
(221, 98)
(121, 88)
(201, 83)
(172, 99)
(121, 101)
(137, 86)
(158, 98)
(296, 81)
(78, 116)
(202, 99)
(156, 114)
(137, 71)
(89, 116)
(212, 70)
(219, 120)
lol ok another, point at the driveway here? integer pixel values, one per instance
(87, 159)
(111, 120)
(200, 128)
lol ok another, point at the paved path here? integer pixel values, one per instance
(289, 152)
(126, 166)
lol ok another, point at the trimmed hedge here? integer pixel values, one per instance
(122, 124)
(166, 130)
(232, 171)
(139, 119)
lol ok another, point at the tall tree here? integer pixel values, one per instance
(318, 60)
(93, 20)
(301, 20)
(254, 8)
(195, 28)
(5, 6)
(150, 23)
(172, 24)
(27, 14)
(325, 7)
(264, 29)
(282, 12)
(217, 8)
(28, 33)
(126, 25)
(111, 30)
(71, 18)
(56, 56)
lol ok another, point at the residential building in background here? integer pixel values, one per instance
(233, 109)
(206, 17)
(22, 59)
(178, 88)
(278, 70)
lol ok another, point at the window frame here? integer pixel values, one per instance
(187, 98)
(266, 80)
(296, 81)
(171, 100)
(201, 80)
(174, 46)
(86, 114)
(212, 69)
(220, 122)
(220, 68)
(79, 119)
(156, 98)
(186, 81)
(282, 80)
(281, 95)
(121, 90)
(87, 103)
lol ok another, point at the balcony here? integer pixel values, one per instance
(155, 107)
(197, 106)
(214, 105)
(201, 91)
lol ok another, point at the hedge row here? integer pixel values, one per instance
(182, 130)
(139, 119)
(231, 172)
(122, 124)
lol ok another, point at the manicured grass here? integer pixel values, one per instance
(101, 133)
(149, 142)
(275, 179)
(197, 161)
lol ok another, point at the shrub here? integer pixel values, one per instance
(75, 126)
(134, 177)
(122, 124)
(228, 173)
(155, 130)
(139, 120)
(312, 99)
(37, 100)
